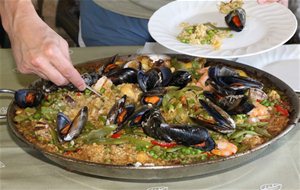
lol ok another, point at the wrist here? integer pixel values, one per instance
(12, 11)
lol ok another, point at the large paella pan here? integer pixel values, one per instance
(157, 116)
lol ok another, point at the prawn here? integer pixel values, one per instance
(224, 148)
(260, 112)
(201, 82)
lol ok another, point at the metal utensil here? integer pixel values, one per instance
(91, 89)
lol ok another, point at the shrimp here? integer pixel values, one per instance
(201, 82)
(260, 112)
(224, 148)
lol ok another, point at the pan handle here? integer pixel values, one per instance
(5, 91)
(298, 94)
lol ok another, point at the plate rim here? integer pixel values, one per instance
(249, 60)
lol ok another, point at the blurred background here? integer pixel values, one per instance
(61, 15)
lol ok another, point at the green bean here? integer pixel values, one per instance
(262, 131)
(248, 125)
(37, 115)
(57, 143)
(21, 117)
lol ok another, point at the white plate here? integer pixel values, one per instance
(282, 62)
(267, 26)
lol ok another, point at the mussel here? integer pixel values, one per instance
(115, 110)
(68, 130)
(153, 78)
(153, 97)
(232, 104)
(148, 80)
(28, 98)
(156, 127)
(227, 81)
(125, 75)
(90, 78)
(119, 113)
(236, 19)
(222, 122)
(138, 116)
(180, 78)
(109, 67)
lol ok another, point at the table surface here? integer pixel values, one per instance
(24, 168)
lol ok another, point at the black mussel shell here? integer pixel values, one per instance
(90, 78)
(138, 116)
(185, 134)
(227, 81)
(232, 104)
(109, 67)
(77, 124)
(124, 114)
(115, 110)
(236, 104)
(236, 19)
(68, 130)
(63, 124)
(223, 122)
(28, 98)
(166, 75)
(180, 78)
(151, 125)
(125, 75)
(153, 97)
(149, 80)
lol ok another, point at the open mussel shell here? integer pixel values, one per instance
(236, 19)
(153, 97)
(151, 125)
(138, 116)
(68, 130)
(63, 124)
(149, 80)
(28, 98)
(115, 110)
(109, 67)
(124, 114)
(223, 122)
(180, 78)
(227, 81)
(154, 78)
(119, 113)
(236, 104)
(77, 124)
(90, 78)
(232, 104)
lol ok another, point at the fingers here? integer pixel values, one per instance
(64, 66)
(46, 70)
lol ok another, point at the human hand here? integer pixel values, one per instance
(40, 50)
(284, 2)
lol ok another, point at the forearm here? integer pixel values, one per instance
(14, 11)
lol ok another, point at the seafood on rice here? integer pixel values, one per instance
(162, 111)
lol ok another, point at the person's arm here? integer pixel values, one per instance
(36, 47)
